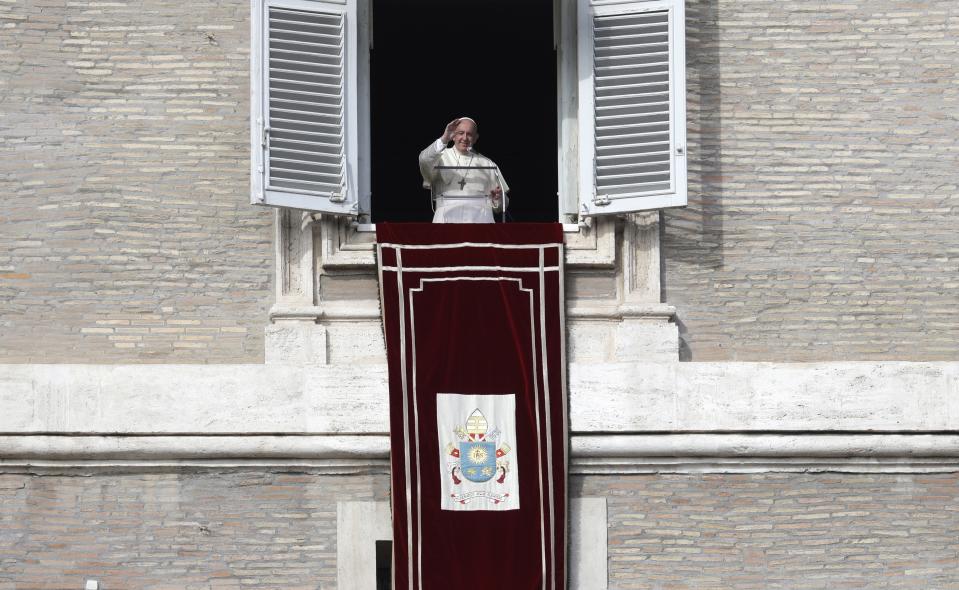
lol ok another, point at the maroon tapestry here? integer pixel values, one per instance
(474, 323)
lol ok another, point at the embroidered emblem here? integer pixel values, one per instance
(479, 457)
(478, 450)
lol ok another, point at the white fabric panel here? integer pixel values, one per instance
(478, 449)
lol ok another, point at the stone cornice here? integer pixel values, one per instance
(593, 454)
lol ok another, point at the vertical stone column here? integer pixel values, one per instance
(294, 337)
(645, 332)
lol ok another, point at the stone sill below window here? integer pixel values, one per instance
(345, 244)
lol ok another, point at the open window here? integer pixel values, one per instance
(585, 101)
(435, 60)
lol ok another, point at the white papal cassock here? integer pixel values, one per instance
(463, 195)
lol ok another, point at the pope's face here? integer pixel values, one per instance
(465, 136)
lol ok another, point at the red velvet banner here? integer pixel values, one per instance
(474, 323)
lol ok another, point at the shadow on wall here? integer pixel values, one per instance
(694, 235)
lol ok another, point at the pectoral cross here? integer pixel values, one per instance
(462, 183)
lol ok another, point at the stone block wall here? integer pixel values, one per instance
(125, 228)
(823, 176)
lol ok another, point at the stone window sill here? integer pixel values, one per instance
(344, 244)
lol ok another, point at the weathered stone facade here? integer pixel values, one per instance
(126, 234)
(822, 181)
(796, 531)
(272, 529)
(263, 529)
(821, 227)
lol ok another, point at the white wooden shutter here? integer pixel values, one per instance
(304, 105)
(632, 106)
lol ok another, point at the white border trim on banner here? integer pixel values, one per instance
(540, 373)
(539, 454)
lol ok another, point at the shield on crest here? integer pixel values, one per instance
(478, 460)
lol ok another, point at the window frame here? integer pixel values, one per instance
(575, 148)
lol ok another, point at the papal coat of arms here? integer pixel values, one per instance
(478, 473)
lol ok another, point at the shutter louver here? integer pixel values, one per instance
(304, 95)
(631, 79)
(632, 106)
(306, 130)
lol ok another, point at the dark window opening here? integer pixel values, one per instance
(384, 564)
(435, 60)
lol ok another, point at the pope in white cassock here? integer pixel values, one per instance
(471, 192)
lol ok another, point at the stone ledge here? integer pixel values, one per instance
(628, 398)
(593, 454)
(376, 446)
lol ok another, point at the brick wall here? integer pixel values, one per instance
(793, 531)
(277, 530)
(125, 231)
(174, 531)
(823, 179)
(824, 170)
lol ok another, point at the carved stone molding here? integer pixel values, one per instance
(344, 244)
(609, 454)
(631, 322)
(293, 243)
(347, 245)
